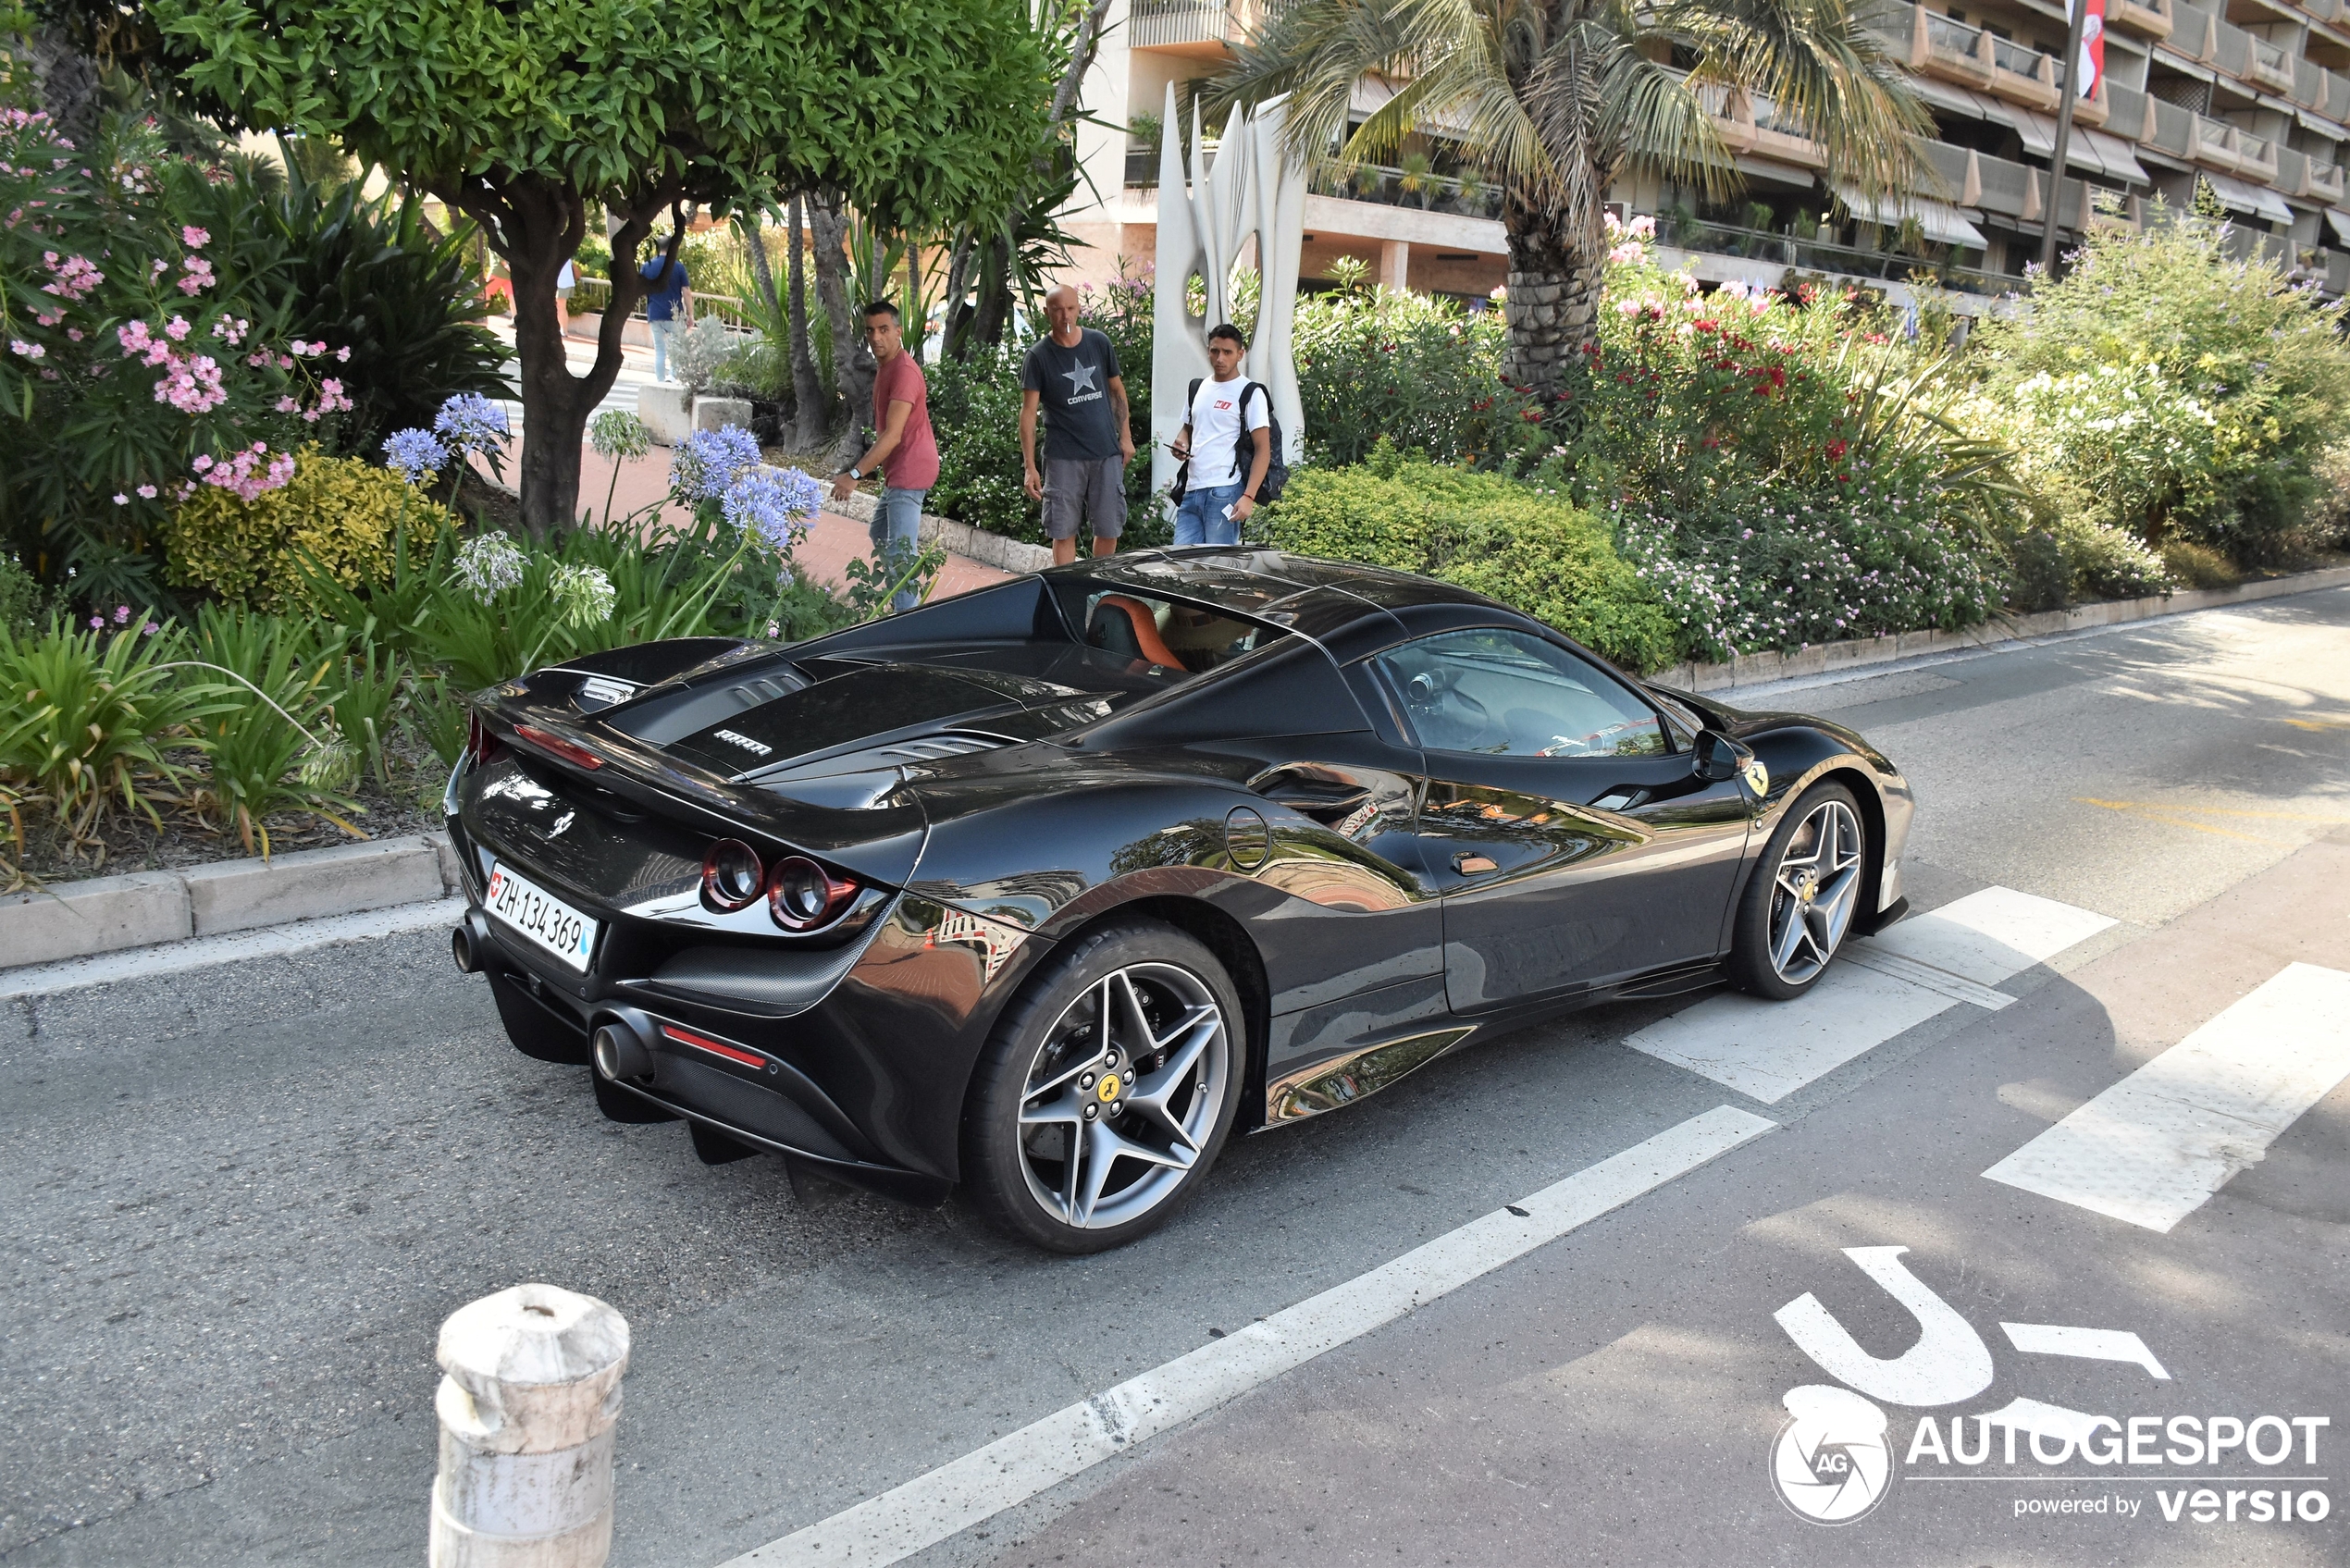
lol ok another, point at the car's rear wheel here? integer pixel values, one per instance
(1107, 1089)
(1799, 902)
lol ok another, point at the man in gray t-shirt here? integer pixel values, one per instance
(1072, 373)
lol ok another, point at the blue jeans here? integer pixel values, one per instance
(897, 531)
(1200, 520)
(661, 348)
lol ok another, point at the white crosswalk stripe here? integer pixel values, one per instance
(2154, 1147)
(1884, 985)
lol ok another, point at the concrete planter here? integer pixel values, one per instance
(718, 413)
(972, 544)
(105, 914)
(666, 413)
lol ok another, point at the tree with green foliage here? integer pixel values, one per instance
(1558, 98)
(524, 115)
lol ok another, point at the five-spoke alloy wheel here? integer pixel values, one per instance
(1107, 1089)
(1799, 902)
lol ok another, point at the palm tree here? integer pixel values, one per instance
(1556, 98)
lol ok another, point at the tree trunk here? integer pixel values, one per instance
(813, 403)
(535, 225)
(957, 321)
(1553, 300)
(853, 365)
(995, 291)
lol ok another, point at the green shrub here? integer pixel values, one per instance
(20, 597)
(87, 719)
(1491, 535)
(1386, 365)
(338, 516)
(2199, 567)
(2193, 391)
(262, 749)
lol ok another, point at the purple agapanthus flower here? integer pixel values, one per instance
(775, 503)
(707, 464)
(415, 455)
(470, 423)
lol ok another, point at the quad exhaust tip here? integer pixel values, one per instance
(620, 1052)
(469, 943)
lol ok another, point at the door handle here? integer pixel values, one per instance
(1470, 864)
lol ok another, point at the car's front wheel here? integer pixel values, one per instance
(1107, 1089)
(1799, 902)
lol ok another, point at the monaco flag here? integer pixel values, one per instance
(2090, 69)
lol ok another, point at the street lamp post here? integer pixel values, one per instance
(2051, 214)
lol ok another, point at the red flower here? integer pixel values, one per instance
(1531, 415)
(1837, 449)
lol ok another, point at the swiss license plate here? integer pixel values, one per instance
(545, 919)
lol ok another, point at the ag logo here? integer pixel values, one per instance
(1831, 1463)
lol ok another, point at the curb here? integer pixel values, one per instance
(79, 920)
(1836, 658)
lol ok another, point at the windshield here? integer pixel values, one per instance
(1168, 634)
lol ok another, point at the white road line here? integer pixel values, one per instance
(2152, 1148)
(966, 1491)
(1990, 934)
(233, 947)
(1893, 982)
(2088, 1344)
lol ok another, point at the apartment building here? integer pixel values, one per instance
(2252, 95)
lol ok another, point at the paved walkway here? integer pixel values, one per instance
(832, 540)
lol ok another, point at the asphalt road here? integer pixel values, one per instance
(243, 1201)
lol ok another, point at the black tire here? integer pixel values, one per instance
(1174, 1100)
(535, 1032)
(1768, 956)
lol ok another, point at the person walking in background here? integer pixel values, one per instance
(1219, 493)
(904, 448)
(1072, 373)
(565, 282)
(669, 300)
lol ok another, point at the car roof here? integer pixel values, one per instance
(1321, 598)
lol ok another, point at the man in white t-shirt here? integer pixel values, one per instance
(1218, 496)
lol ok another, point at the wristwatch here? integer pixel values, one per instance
(852, 474)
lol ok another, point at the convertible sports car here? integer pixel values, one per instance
(1047, 888)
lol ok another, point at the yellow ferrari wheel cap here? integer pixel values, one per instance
(1107, 1088)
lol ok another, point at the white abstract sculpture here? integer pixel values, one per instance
(1253, 189)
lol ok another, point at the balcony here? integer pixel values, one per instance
(1817, 255)
(2325, 182)
(1192, 27)
(1749, 122)
(1953, 51)
(1388, 187)
(2270, 65)
(2149, 19)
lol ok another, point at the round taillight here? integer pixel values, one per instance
(732, 876)
(802, 896)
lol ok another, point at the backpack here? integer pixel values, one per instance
(1276, 461)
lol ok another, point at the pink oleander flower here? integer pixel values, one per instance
(121, 499)
(30, 351)
(287, 403)
(146, 492)
(198, 276)
(176, 330)
(344, 354)
(195, 238)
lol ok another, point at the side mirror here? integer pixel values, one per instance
(1719, 757)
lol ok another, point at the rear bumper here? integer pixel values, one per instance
(855, 1058)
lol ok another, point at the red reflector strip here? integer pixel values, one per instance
(701, 1042)
(569, 750)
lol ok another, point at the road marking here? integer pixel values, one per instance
(1958, 988)
(1947, 1362)
(231, 947)
(2146, 814)
(2088, 1344)
(1768, 1050)
(2153, 1148)
(1991, 933)
(1010, 1471)
(1894, 982)
(2208, 810)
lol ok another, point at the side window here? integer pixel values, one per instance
(1509, 694)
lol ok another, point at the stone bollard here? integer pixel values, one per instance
(717, 414)
(527, 1416)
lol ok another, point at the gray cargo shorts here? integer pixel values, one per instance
(1084, 489)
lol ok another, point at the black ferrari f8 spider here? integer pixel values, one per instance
(1049, 888)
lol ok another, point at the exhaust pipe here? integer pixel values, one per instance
(469, 943)
(620, 1051)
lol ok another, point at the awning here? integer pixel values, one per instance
(1956, 100)
(2085, 148)
(2341, 222)
(2317, 125)
(1943, 223)
(1771, 173)
(2237, 196)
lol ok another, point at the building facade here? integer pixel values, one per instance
(2252, 95)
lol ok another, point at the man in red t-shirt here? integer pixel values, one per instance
(902, 413)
